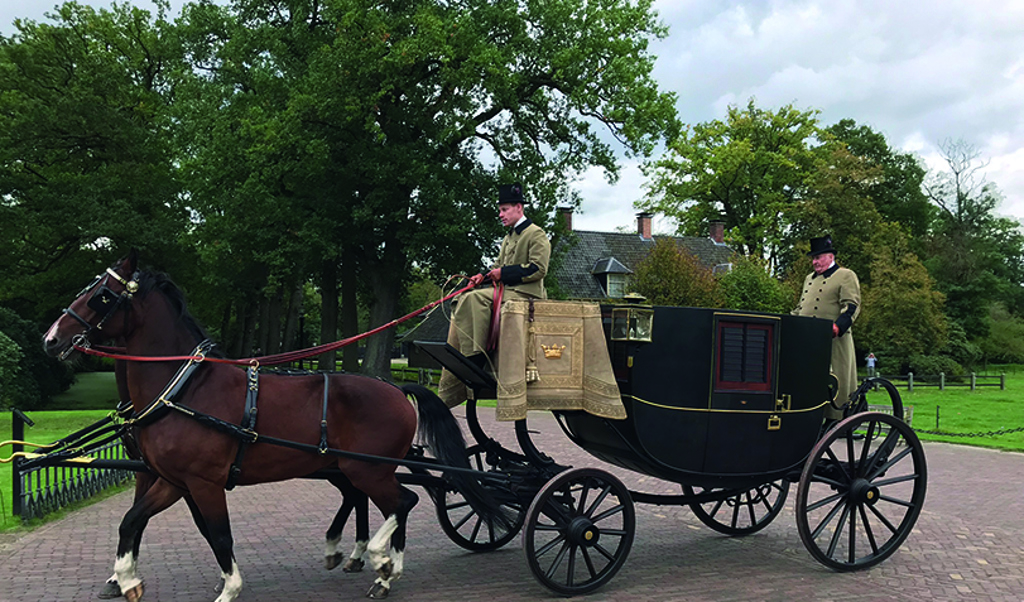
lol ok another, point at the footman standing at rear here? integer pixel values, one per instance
(833, 292)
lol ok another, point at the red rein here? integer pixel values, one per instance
(267, 360)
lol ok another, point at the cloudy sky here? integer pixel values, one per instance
(919, 71)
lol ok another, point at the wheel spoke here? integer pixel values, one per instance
(558, 560)
(825, 501)
(750, 509)
(456, 505)
(611, 511)
(853, 537)
(892, 500)
(892, 462)
(464, 520)
(867, 530)
(604, 493)
(838, 464)
(589, 562)
(604, 552)
(718, 506)
(884, 520)
(571, 568)
(615, 532)
(867, 446)
(476, 529)
(828, 518)
(894, 480)
(838, 532)
(549, 545)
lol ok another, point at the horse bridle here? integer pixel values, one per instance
(104, 302)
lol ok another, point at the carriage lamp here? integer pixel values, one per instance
(632, 324)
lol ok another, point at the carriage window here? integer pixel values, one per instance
(744, 357)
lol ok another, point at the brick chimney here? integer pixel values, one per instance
(716, 230)
(567, 216)
(643, 225)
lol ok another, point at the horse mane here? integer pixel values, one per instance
(162, 283)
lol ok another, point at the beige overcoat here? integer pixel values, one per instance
(523, 258)
(835, 295)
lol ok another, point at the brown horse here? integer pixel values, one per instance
(184, 432)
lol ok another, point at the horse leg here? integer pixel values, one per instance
(389, 563)
(157, 498)
(143, 481)
(352, 498)
(212, 507)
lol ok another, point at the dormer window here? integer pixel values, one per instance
(612, 276)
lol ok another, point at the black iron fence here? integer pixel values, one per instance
(39, 490)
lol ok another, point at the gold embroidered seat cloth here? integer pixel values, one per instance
(564, 348)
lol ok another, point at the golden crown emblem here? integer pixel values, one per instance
(553, 352)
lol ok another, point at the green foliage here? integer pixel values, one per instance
(37, 377)
(902, 314)
(670, 275)
(86, 165)
(749, 286)
(10, 358)
(896, 192)
(1005, 340)
(749, 170)
(933, 365)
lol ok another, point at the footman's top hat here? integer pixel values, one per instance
(510, 193)
(821, 245)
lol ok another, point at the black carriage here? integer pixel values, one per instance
(730, 406)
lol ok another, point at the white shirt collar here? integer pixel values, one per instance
(521, 220)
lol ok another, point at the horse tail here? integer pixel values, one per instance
(442, 434)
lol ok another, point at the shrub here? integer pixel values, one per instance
(38, 377)
(670, 275)
(750, 287)
(932, 365)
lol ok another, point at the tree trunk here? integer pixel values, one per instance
(328, 311)
(274, 322)
(349, 311)
(248, 338)
(263, 326)
(385, 277)
(291, 323)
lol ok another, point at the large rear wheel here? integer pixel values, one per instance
(861, 491)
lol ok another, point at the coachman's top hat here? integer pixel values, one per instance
(821, 245)
(510, 193)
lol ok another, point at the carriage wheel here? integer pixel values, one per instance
(744, 513)
(860, 398)
(861, 491)
(579, 530)
(461, 523)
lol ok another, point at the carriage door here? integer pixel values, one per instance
(743, 393)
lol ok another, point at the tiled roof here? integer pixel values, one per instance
(573, 273)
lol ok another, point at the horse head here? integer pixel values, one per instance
(91, 313)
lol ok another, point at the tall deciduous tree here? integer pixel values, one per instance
(974, 255)
(85, 157)
(393, 123)
(750, 170)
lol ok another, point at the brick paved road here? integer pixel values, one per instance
(966, 546)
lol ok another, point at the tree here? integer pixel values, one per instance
(670, 275)
(391, 125)
(897, 190)
(903, 313)
(749, 286)
(974, 256)
(85, 160)
(750, 170)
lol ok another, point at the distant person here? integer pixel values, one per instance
(833, 293)
(872, 360)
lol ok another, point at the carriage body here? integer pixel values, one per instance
(714, 398)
